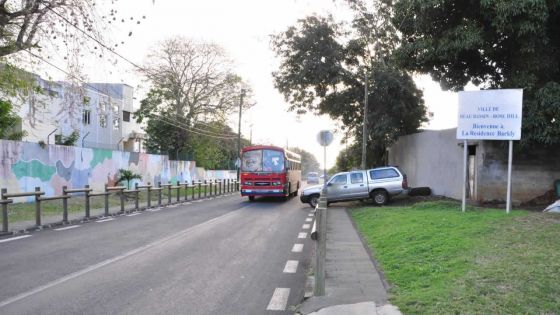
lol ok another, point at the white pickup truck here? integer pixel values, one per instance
(379, 184)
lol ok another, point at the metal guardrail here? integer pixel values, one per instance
(211, 188)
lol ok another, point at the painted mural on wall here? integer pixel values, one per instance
(27, 165)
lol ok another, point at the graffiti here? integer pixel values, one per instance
(26, 165)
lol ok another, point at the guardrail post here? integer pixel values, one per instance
(186, 183)
(199, 189)
(149, 198)
(86, 187)
(136, 197)
(205, 188)
(320, 249)
(106, 196)
(192, 189)
(122, 201)
(169, 192)
(178, 191)
(211, 187)
(64, 205)
(159, 194)
(220, 187)
(37, 207)
(4, 212)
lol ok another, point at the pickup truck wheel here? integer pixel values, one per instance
(379, 197)
(313, 200)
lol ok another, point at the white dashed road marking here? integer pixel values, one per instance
(105, 220)
(14, 238)
(68, 228)
(302, 235)
(134, 214)
(306, 226)
(279, 299)
(308, 220)
(298, 248)
(310, 215)
(291, 266)
(155, 209)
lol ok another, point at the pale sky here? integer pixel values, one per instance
(243, 28)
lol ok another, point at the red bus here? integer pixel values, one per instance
(269, 171)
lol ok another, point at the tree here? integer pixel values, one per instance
(308, 161)
(9, 123)
(26, 24)
(69, 140)
(322, 71)
(128, 176)
(190, 82)
(491, 43)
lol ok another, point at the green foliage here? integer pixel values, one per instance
(69, 140)
(10, 124)
(323, 71)
(166, 136)
(492, 43)
(127, 175)
(439, 260)
(15, 82)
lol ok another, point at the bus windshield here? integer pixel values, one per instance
(263, 161)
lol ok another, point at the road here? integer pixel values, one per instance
(220, 256)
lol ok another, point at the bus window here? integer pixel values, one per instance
(252, 161)
(273, 161)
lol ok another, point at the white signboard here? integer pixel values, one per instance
(490, 114)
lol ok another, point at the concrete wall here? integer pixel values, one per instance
(435, 159)
(431, 158)
(25, 165)
(533, 174)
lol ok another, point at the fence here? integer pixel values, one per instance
(198, 190)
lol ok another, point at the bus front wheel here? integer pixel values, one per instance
(251, 198)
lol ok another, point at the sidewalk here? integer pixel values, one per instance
(352, 283)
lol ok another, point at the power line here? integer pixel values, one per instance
(110, 49)
(176, 124)
(161, 118)
(97, 41)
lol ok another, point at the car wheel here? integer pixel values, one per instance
(313, 200)
(251, 198)
(379, 197)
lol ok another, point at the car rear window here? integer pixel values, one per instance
(383, 173)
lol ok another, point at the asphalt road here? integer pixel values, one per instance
(220, 256)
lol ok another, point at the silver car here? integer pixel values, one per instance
(379, 184)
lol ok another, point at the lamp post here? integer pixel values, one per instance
(49, 136)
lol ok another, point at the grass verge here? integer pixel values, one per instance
(441, 261)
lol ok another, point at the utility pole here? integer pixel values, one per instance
(239, 133)
(364, 132)
(251, 135)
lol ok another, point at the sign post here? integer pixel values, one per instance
(490, 115)
(325, 137)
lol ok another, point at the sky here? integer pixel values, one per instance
(243, 29)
